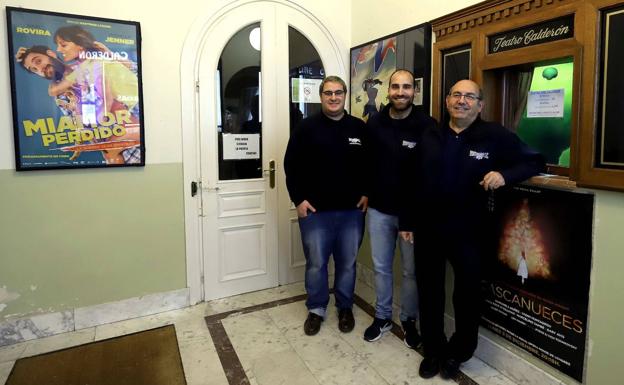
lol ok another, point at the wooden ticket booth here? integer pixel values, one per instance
(548, 74)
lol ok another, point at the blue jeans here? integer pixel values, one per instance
(324, 233)
(383, 230)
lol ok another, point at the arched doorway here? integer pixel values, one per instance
(242, 232)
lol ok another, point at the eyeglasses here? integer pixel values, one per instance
(470, 98)
(330, 93)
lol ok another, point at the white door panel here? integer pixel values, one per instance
(250, 233)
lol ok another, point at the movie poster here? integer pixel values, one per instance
(537, 290)
(371, 67)
(76, 90)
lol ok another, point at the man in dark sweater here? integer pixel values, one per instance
(325, 166)
(394, 140)
(461, 163)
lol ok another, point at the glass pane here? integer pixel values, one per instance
(239, 125)
(455, 67)
(546, 122)
(306, 74)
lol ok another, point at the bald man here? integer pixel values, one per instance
(462, 161)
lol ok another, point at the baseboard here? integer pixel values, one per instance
(45, 325)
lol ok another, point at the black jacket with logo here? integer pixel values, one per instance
(394, 144)
(447, 188)
(325, 162)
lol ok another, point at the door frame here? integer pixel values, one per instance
(191, 162)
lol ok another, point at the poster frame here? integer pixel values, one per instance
(41, 32)
(423, 71)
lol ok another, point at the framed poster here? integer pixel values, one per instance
(610, 137)
(372, 64)
(536, 294)
(76, 90)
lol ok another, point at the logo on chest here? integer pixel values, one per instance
(408, 144)
(479, 155)
(355, 142)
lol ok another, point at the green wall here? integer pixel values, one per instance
(76, 238)
(606, 310)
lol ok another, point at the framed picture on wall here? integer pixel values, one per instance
(372, 64)
(610, 137)
(76, 90)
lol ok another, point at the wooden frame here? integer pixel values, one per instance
(473, 25)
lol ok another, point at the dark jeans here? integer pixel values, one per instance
(324, 233)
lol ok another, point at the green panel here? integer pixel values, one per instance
(551, 136)
(84, 237)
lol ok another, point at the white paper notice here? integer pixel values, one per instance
(545, 104)
(241, 146)
(305, 90)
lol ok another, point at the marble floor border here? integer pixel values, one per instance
(232, 367)
(230, 361)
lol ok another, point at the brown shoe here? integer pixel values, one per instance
(312, 324)
(346, 322)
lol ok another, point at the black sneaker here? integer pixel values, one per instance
(411, 337)
(377, 329)
(312, 324)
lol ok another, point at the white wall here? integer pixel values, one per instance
(164, 28)
(373, 19)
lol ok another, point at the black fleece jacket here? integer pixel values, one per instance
(394, 145)
(325, 162)
(451, 166)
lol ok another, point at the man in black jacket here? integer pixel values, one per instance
(461, 163)
(324, 166)
(394, 140)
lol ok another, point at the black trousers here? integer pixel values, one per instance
(462, 247)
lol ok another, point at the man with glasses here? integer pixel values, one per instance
(461, 162)
(325, 172)
(394, 139)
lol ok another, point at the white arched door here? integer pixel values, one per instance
(249, 232)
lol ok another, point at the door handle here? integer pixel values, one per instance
(271, 171)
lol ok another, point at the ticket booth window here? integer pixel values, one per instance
(545, 123)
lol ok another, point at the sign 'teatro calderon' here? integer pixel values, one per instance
(557, 29)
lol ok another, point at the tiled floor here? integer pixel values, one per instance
(270, 345)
